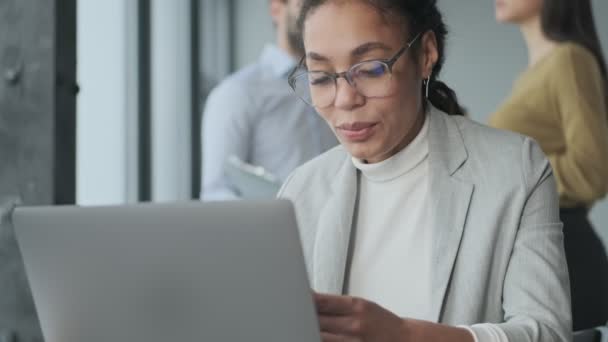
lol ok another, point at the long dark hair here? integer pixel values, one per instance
(419, 16)
(572, 21)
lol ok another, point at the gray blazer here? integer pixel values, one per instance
(498, 255)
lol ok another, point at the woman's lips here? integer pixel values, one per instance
(357, 131)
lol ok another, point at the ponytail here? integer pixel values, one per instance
(444, 98)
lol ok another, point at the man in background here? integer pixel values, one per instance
(254, 116)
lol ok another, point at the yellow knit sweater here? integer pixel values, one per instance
(561, 103)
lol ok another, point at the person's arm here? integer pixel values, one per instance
(536, 291)
(582, 169)
(536, 295)
(226, 131)
(344, 318)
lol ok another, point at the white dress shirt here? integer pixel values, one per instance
(392, 249)
(254, 115)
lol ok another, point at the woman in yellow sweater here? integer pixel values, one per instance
(561, 101)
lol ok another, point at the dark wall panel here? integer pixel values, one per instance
(37, 135)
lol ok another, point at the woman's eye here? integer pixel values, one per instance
(370, 71)
(320, 80)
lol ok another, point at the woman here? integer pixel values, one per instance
(422, 225)
(560, 101)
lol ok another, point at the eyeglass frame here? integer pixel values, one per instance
(347, 75)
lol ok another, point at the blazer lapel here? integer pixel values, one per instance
(450, 198)
(333, 234)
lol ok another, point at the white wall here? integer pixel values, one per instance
(104, 107)
(171, 100)
(253, 28)
(483, 56)
(107, 141)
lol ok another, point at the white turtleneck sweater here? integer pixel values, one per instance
(391, 251)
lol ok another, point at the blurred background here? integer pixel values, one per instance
(483, 59)
(101, 102)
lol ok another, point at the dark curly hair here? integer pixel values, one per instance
(417, 16)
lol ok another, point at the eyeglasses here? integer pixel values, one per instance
(370, 78)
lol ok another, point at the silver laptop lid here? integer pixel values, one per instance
(217, 271)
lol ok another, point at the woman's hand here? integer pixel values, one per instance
(350, 319)
(347, 319)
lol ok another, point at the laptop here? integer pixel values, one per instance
(188, 272)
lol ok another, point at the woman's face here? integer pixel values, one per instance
(340, 34)
(517, 11)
